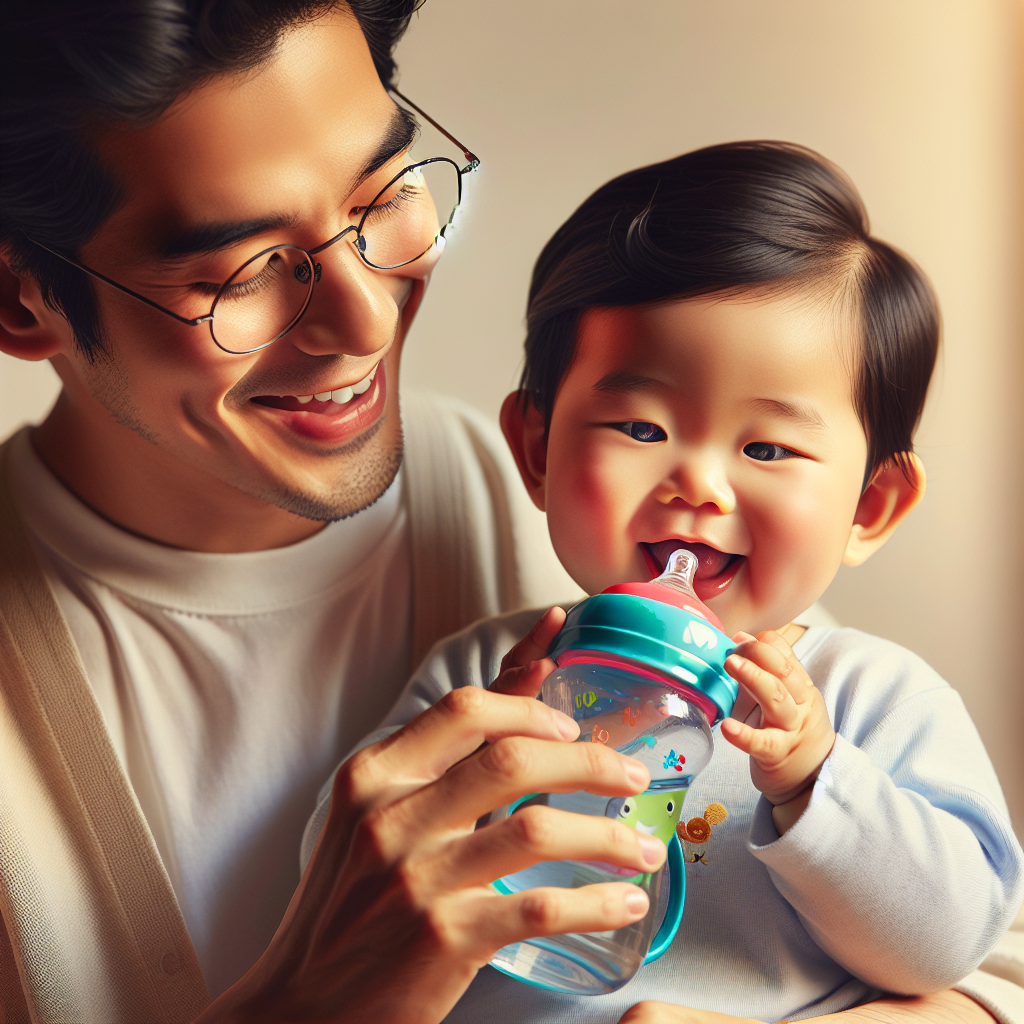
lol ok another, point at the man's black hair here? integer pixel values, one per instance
(733, 216)
(66, 65)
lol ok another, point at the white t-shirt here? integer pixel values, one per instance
(231, 684)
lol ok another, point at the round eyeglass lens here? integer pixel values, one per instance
(406, 219)
(262, 299)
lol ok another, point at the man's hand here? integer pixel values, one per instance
(795, 735)
(527, 665)
(394, 914)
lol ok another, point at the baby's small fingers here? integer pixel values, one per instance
(774, 654)
(766, 746)
(777, 705)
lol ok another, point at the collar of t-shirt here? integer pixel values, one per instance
(193, 581)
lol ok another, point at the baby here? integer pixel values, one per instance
(721, 358)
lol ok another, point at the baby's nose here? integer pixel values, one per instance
(698, 482)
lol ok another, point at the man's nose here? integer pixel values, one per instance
(697, 480)
(352, 311)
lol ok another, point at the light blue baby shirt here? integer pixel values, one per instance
(900, 876)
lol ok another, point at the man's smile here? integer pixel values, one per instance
(334, 416)
(327, 401)
(715, 569)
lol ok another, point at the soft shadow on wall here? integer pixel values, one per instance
(919, 101)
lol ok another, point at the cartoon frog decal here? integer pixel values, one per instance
(657, 814)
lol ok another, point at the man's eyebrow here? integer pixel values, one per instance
(806, 415)
(619, 381)
(202, 239)
(398, 136)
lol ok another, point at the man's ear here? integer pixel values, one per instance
(29, 329)
(523, 427)
(888, 498)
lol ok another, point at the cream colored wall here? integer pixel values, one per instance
(919, 100)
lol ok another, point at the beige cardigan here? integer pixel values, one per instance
(90, 930)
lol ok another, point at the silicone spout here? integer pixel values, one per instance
(680, 570)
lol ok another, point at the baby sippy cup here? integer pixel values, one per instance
(641, 668)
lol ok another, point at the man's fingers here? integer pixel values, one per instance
(778, 707)
(537, 834)
(505, 770)
(496, 921)
(444, 734)
(525, 681)
(534, 646)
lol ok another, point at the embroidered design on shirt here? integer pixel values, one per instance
(695, 834)
(674, 760)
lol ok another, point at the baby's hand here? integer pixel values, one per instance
(527, 665)
(795, 735)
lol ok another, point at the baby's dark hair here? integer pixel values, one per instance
(736, 216)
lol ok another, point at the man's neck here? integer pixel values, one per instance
(139, 487)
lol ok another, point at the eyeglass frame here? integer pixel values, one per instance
(313, 268)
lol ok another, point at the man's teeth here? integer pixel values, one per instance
(341, 396)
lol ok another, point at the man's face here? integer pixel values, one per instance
(722, 424)
(285, 154)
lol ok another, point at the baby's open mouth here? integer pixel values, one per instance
(715, 569)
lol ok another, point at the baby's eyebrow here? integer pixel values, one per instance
(805, 415)
(622, 380)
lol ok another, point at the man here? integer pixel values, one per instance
(211, 229)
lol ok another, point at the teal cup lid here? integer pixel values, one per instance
(662, 636)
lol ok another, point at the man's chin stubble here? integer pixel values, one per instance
(366, 479)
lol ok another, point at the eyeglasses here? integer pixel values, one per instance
(269, 293)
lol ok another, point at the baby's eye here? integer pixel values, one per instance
(765, 452)
(641, 431)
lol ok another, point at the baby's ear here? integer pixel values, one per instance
(892, 493)
(523, 427)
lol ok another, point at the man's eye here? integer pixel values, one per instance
(765, 452)
(641, 431)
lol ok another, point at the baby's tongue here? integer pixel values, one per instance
(709, 561)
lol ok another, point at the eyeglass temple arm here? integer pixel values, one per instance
(474, 161)
(135, 295)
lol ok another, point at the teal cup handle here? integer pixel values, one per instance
(676, 896)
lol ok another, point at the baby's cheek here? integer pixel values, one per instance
(796, 551)
(588, 518)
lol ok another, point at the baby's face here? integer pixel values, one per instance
(723, 424)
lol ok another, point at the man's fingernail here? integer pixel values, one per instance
(637, 902)
(567, 728)
(652, 848)
(637, 773)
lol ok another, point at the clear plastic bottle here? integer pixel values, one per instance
(641, 668)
